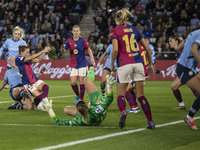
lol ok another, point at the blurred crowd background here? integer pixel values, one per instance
(50, 22)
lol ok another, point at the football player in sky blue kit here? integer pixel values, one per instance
(187, 73)
(17, 90)
(106, 69)
(12, 45)
(174, 41)
(77, 47)
(162, 72)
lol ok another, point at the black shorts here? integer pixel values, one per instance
(106, 68)
(184, 74)
(11, 90)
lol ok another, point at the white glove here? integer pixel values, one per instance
(110, 81)
(47, 105)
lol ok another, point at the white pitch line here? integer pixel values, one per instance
(6, 102)
(49, 97)
(106, 136)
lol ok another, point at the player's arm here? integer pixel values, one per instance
(43, 52)
(101, 59)
(110, 80)
(2, 85)
(91, 56)
(72, 122)
(148, 52)
(114, 53)
(195, 52)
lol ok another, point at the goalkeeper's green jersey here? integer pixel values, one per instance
(96, 112)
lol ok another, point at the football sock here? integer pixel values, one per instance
(91, 74)
(37, 100)
(158, 72)
(45, 91)
(129, 99)
(177, 94)
(195, 93)
(145, 107)
(102, 88)
(21, 93)
(82, 91)
(134, 96)
(20, 106)
(75, 89)
(121, 103)
(195, 107)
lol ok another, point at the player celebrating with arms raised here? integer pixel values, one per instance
(77, 46)
(125, 40)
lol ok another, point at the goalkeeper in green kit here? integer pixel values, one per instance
(85, 115)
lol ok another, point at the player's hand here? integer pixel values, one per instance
(42, 70)
(110, 81)
(47, 49)
(63, 48)
(112, 67)
(47, 104)
(150, 69)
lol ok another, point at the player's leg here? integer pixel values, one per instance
(131, 99)
(139, 88)
(194, 84)
(174, 86)
(106, 71)
(139, 79)
(89, 85)
(28, 104)
(82, 72)
(73, 80)
(162, 72)
(23, 98)
(42, 87)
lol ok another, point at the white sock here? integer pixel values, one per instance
(181, 104)
(190, 118)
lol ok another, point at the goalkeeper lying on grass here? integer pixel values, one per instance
(84, 115)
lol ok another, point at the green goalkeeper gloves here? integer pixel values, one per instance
(110, 81)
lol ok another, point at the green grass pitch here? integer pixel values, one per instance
(24, 130)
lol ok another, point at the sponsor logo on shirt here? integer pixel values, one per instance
(75, 51)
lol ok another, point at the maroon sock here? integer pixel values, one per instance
(121, 103)
(75, 88)
(145, 107)
(134, 96)
(45, 91)
(37, 100)
(82, 91)
(195, 93)
(129, 99)
(177, 94)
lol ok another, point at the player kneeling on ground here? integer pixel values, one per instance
(17, 91)
(84, 115)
